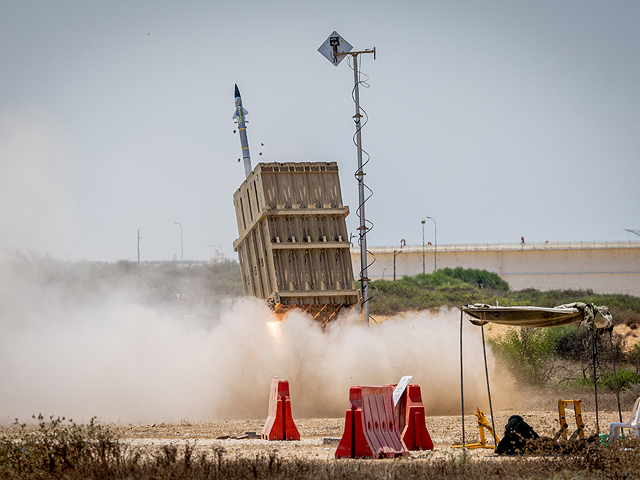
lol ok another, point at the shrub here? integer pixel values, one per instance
(444, 288)
(626, 379)
(56, 447)
(528, 353)
(478, 278)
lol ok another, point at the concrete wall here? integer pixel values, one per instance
(601, 267)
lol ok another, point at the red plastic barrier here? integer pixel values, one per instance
(370, 429)
(411, 420)
(279, 424)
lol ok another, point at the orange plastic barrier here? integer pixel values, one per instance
(370, 429)
(279, 424)
(411, 420)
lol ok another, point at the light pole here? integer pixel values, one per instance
(435, 249)
(395, 252)
(383, 270)
(181, 248)
(422, 222)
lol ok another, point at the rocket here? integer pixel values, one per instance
(238, 116)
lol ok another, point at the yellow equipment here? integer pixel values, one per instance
(482, 424)
(563, 422)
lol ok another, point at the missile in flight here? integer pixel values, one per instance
(238, 116)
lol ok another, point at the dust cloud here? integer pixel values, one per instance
(124, 362)
(321, 366)
(110, 356)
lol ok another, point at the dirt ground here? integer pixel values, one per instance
(319, 436)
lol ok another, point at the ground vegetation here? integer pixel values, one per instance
(56, 448)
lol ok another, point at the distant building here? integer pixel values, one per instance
(604, 267)
(218, 257)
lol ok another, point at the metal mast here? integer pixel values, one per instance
(335, 48)
(362, 229)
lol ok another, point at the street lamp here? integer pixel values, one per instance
(422, 222)
(435, 250)
(181, 248)
(395, 252)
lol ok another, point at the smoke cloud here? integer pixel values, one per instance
(124, 362)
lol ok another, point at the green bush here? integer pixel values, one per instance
(626, 379)
(444, 288)
(478, 278)
(529, 354)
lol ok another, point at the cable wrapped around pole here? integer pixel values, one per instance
(486, 371)
(462, 385)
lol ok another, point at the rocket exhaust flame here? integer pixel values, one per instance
(274, 329)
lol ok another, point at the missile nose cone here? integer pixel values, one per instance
(237, 94)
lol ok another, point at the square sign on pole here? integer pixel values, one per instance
(334, 45)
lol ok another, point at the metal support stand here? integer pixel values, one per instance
(594, 351)
(615, 375)
(464, 440)
(577, 407)
(486, 371)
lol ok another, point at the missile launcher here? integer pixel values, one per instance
(293, 246)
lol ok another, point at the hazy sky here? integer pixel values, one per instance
(500, 119)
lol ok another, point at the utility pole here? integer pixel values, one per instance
(435, 248)
(423, 222)
(181, 244)
(395, 252)
(138, 246)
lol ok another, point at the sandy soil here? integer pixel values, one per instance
(319, 436)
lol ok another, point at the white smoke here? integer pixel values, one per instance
(124, 362)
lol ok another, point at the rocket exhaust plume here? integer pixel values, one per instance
(238, 116)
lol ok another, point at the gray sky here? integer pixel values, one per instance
(501, 119)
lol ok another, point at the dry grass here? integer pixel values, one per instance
(591, 461)
(56, 449)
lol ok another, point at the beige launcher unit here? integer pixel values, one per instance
(293, 246)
